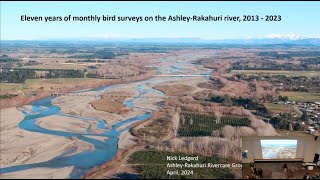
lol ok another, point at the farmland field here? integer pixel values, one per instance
(153, 165)
(12, 86)
(56, 66)
(277, 72)
(278, 108)
(56, 80)
(203, 125)
(35, 84)
(301, 96)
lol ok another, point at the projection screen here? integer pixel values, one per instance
(278, 149)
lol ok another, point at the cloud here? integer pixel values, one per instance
(291, 36)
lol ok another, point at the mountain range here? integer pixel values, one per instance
(261, 41)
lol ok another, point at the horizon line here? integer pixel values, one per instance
(158, 38)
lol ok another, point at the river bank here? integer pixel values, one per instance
(19, 146)
(75, 119)
(110, 168)
(22, 99)
(88, 136)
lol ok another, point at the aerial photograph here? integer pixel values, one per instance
(141, 90)
(279, 149)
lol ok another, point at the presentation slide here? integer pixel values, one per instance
(278, 149)
(158, 89)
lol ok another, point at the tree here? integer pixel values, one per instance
(297, 126)
(239, 76)
(283, 98)
(304, 118)
(283, 124)
(286, 125)
(269, 98)
(227, 100)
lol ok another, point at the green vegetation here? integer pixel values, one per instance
(16, 76)
(58, 66)
(234, 121)
(153, 165)
(301, 96)
(282, 60)
(288, 54)
(277, 73)
(283, 124)
(305, 118)
(5, 58)
(106, 55)
(47, 84)
(284, 98)
(100, 54)
(21, 75)
(94, 61)
(278, 108)
(247, 103)
(159, 127)
(31, 82)
(12, 86)
(274, 55)
(31, 63)
(287, 83)
(227, 101)
(289, 121)
(7, 96)
(203, 124)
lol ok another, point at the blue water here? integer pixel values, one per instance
(142, 91)
(177, 68)
(104, 150)
(102, 124)
(82, 162)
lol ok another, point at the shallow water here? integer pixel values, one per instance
(83, 161)
(103, 150)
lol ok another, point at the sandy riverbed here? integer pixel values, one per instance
(82, 107)
(39, 173)
(69, 124)
(126, 140)
(23, 147)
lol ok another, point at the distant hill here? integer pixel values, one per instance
(307, 41)
(262, 41)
